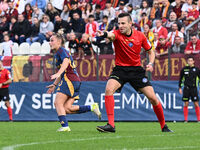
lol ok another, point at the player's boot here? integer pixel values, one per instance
(166, 129)
(106, 128)
(64, 129)
(95, 110)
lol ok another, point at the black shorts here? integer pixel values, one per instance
(190, 93)
(135, 75)
(4, 94)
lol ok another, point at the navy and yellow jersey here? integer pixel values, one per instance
(70, 72)
(189, 77)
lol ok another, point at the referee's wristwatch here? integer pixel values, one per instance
(150, 64)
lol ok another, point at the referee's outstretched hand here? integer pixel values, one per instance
(149, 68)
(99, 33)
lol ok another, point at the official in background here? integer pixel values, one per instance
(189, 77)
(5, 80)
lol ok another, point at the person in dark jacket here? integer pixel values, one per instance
(77, 24)
(35, 28)
(4, 25)
(13, 28)
(61, 25)
(189, 78)
(23, 29)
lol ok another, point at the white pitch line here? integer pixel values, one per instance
(164, 148)
(12, 147)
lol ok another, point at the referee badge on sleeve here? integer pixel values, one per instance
(144, 80)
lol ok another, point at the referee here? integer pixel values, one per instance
(128, 43)
(5, 80)
(189, 78)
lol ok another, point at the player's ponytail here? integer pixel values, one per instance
(60, 37)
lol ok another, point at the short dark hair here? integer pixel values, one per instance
(193, 34)
(98, 6)
(91, 16)
(190, 56)
(121, 15)
(105, 17)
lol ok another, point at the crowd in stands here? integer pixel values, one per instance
(162, 21)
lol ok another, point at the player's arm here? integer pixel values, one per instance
(52, 87)
(149, 67)
(7, 82)
(180, 81)
(109, 35)
(63, 67)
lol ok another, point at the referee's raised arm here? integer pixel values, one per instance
(110, 35)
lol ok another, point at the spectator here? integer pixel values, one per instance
(135, 3)
(178, 46)
(51, 12)
(109, 11)
(37, 13)
(98, 14)
(60, 25)
(166, 9)
(144, 20)
(144, 8)
(23, 29)
(177, 8)
(74, 9)
(13, 28)
(104, 25)
(155, 11)
(85, 47)
(160, 29)
(91, 27)
(135, 13)
(73, 43)
(129, 8)
(87, 12)
(198, 5)
(7, 45)
(77, 25)
(162, 47)
(113, 24)
(171, 35)
(149, 34)
(186, 6)
(101, 3)
(4, 25)
(121, 8)
(41, 4)
(11, 11)
(183, 18)
(193, 47)
(65, 13)
(3, 6)
(35, 28)
(155, 41)
(28, 12)
(172, 19)
(46, 29)
(193, 13)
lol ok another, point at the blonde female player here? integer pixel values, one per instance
(68, 83)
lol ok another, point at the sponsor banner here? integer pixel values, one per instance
(31, 102)
(26, 68)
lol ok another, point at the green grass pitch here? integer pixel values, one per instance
(84, 136)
